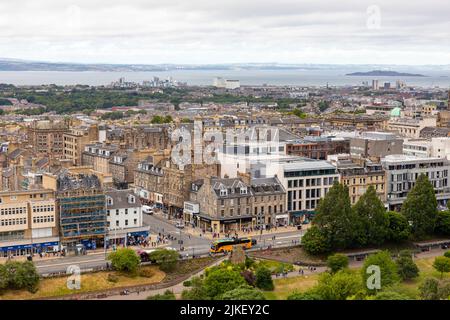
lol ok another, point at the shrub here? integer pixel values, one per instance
(112, 278)
(407, 269)
(304, 296)
(249, 277)
(167, 295)
(146, 273)
(125, 260)
(429, 289)
(337, 262)
(243, 293)
(187, 283)
(166, 259)
(388, 268)
(264, 279)
(391, 295)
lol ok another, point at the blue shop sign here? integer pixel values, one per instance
(29, 246)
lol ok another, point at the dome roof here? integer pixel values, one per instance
(395, 112)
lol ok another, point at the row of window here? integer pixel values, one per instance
(43, 219)
(297, 205)
(362, 180)
(13, 222)
(135, 222)
(7, 211)
(48, 208)
(299, 183)
(117, 211)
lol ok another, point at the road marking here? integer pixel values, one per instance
(65, 263)
(287, 237)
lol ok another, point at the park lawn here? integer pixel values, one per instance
(411, 287)
(286, 286)
(52, 287)
(273, 265)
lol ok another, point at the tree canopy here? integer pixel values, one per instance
(420, 208)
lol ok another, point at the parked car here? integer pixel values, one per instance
(147, 210)
(180, 225)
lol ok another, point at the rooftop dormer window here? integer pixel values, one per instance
(223, 192)
(109, 200)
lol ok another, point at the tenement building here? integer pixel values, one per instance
(28, 222)
(46, 137)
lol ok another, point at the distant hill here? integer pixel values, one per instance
(381, 73)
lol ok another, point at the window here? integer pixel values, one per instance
(126, 222)
(135, 221)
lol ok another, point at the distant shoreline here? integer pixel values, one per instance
(380, 73)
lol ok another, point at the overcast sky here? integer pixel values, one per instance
(227, 31)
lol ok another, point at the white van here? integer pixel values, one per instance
(147, 210)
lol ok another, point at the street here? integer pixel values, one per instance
(193, 245)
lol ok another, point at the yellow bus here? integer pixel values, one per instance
(226, 245)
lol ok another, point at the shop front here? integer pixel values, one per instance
(282, 220)
(225, 225)
(28, 247)
(191, 210)
(131, 236)
(301, 217)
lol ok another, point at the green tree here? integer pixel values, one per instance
(336, 217)
(447, 254)
(420, 208)
(388, 269)
(299, 113)
(166, 259)
(3, 277)
(443, 222)
(442, 265)
(22, 275)
(125, 260)
(157, 120)
(323, 105)
(243, 293)
(398, 226)
(315, 241)
(197, 291)
(370, 213)
(220, 280)
(407, 269)
(264, 279)
(338, 286)
(337, 262)
(428, 289)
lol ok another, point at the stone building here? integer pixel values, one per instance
(46, 136)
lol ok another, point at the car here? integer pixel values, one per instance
(180, 225)
(147, 210)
